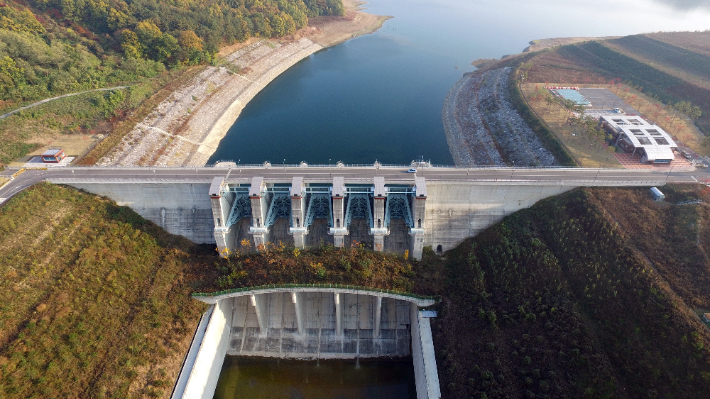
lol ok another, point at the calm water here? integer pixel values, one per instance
(266, 378)
(379, 96)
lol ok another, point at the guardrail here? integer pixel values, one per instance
(335, 286)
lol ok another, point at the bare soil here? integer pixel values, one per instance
(695, 41)
(330, 30)
(541, 44)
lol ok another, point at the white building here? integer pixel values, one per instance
(633, 134)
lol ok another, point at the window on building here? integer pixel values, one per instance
(644, 141)
(662, 141)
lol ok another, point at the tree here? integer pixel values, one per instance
(130, 44)
(190, 46)
(165, 47)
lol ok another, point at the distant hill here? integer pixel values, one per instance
(594, 293)
(671, 67)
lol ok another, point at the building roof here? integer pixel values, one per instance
(621, 120)
(655, 141)
(51, 152)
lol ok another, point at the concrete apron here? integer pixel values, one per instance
(316, 324)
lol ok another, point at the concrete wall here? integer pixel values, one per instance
(455, 211)
(179, 208)
(208, 364)
(426, 375)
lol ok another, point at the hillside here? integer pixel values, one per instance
(589, 294)
(672, 68)
(94, 300)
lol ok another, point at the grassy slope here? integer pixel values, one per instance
(94, 299)
(592, 62)
(557, 301)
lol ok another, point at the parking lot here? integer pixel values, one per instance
(604, 99)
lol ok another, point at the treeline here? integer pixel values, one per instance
(57, 46)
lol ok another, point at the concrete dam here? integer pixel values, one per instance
(396, 212)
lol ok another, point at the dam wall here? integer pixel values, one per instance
(387, 215)
(180, 208)
(456, 211)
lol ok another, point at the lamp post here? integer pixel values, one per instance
(284, 164)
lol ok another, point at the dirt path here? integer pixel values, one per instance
(46, 100)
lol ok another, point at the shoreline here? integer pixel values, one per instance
(186, 128)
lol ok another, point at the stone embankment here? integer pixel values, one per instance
(483, 128)
(186, 128)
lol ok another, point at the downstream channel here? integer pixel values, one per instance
(379, 96)
(267, 378)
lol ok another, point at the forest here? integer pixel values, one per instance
(50, 47)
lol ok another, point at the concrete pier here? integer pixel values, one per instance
(332, 326)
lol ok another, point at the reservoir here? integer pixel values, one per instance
(379, 96)
(270, 378)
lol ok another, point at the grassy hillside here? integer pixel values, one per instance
(559, 301)
(94, 300)
(651, 63)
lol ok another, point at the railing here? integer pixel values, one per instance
(335, 286)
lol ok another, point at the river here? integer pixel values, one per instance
(379, 96)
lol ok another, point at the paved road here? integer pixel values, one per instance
(571, 176)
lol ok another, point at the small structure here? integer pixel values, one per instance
(571, 94)
(706, 317)
(55, 155)
(633, 134)
(657, 195)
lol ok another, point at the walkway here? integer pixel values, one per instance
(46, 100)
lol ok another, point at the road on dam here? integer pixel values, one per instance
(568, 176)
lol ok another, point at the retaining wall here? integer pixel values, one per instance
(208, 364)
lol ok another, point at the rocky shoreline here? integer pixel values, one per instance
(185, 129)
(483, 128)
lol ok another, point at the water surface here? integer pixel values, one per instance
(379, 96)
(268, 378)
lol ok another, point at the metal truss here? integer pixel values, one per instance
(280, 208)
(358, 208)
(319, 207)
(241, 208)
(398, 208)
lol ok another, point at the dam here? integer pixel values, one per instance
(383, 208)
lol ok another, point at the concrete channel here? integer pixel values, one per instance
(309, 323)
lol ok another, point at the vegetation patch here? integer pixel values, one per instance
(285, 265)
(94, 300)
(558, 301)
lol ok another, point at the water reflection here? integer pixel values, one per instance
(267, 378)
